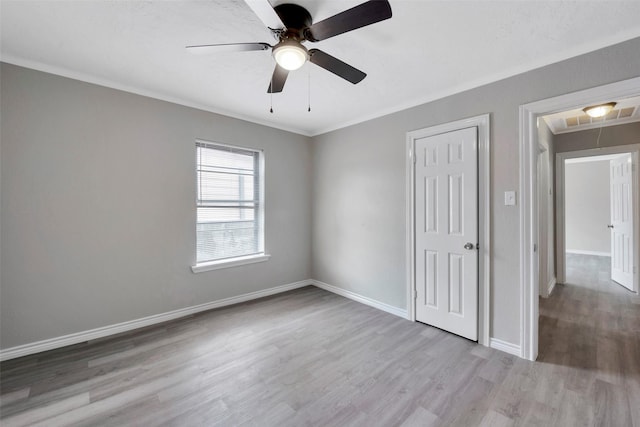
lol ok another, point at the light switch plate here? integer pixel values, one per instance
(509, 198)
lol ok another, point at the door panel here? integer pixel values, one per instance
(456, 268)
(455, 205)
(431, 278)
(446, 216)
(621, 221)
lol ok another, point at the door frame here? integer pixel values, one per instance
(482, 122)
(528, 144)
(634, 149)
(545, 289)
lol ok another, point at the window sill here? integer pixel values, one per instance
(227, 263)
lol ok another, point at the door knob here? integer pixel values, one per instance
(610, 226)
(469, 246)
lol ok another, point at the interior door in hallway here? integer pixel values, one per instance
(446, 231)
(621, 221)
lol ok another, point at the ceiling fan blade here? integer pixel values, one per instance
(337, 67)
(227, 47)
(357, 17)
(278, 80)
(266, 13)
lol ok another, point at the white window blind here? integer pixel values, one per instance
(229, 212)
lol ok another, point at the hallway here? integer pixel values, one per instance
(590, 331)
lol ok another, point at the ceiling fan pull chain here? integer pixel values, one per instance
(271, 96)
(309, 85)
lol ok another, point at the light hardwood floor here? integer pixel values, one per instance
(311, 358)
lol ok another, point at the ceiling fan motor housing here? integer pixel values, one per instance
(296, 19)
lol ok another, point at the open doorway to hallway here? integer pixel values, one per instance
(596, 210)
(585, 184)
(594, 199)
(598, 139)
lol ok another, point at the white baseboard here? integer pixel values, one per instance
(53, 343)
(551, 286)
(581, 252)
(362, 299)
(507, 347)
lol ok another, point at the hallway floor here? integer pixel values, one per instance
(590, 340)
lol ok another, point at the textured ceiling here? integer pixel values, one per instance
(429, 49)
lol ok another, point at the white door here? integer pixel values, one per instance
(621, 221)
(446, 231)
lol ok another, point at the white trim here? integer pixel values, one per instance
(507, 347)
(590, 159)
(409, 225)
(561, 158)
(361, 299)
(484, 223)
(83, 77)
(528, 233)
(227, 263)
(53, 343)
(482, 122)
(215, 144)
(538, 62)
(559, 226)
(581, 252)
(551, 286)
(528, 176)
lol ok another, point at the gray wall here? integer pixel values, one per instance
(359, 183)
(98, 213)
(587, 206)
(546, 210)
(98, 207)
(611, 135)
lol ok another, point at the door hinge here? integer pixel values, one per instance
(415, 294)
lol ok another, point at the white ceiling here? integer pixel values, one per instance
(429, 49)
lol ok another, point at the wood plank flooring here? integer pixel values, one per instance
(312, 358)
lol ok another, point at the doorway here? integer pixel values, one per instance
(596, 211)
(529, 115)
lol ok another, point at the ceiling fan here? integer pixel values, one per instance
(292, 25)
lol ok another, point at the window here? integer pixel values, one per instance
(229, 228)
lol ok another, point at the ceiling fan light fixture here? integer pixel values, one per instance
(599, 110)
(290, 54)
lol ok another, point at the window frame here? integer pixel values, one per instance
(262, 254)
